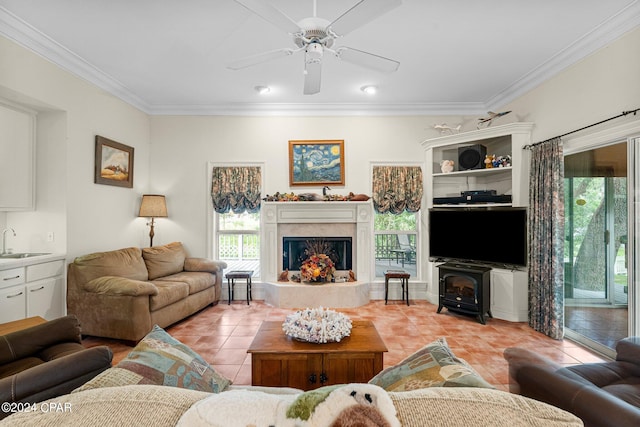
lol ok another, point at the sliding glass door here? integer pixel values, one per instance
(596, 245)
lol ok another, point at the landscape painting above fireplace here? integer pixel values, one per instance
(296, 249)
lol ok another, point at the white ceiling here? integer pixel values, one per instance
(456, 56)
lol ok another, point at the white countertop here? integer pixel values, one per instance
(7, 263)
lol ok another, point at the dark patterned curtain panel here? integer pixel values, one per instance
(397, 189)
(236, 189)
(546, 239)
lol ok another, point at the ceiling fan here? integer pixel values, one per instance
(315, 36)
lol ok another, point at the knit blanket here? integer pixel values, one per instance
(347, 405)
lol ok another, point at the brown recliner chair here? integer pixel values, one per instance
(601, 394)
(46, 361)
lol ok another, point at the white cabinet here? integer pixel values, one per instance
(44, 298)
(13, 297)
(509, 295)
(45, 290)
(33, 290)
(506, 140)
(17, 159)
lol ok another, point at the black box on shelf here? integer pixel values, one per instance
(478, 198)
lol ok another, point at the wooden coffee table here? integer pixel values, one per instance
(280, 361)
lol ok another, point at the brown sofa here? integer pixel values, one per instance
(46, 361)
(601, 394)
(123, 293)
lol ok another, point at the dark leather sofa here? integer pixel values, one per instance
(601, 394)
(47, 360)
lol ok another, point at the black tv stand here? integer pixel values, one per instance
(465, 288)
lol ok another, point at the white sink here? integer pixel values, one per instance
(23, 255)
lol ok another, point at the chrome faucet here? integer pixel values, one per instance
(4, 239)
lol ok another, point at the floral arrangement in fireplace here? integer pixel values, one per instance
(317, 268)
(317, 325)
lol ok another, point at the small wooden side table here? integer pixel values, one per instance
(18, 325)
(404, 282)
(231, 281)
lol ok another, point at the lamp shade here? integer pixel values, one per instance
(153, 206)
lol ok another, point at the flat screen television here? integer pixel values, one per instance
(496, 236)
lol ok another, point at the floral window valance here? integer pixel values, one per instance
(236, 189)
(397, 189)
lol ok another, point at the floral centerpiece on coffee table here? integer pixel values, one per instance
(317, 325)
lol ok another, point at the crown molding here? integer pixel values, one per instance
(442, 109)
(607, 32)
(29, 37)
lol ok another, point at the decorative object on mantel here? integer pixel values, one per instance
(357, 197)
(295, 278)
(317, 325)
(352, 276)
(309, 197)
(284, 276)
(315, 197)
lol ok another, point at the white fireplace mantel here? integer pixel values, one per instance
(326, 216)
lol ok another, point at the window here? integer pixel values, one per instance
(596, 276)
(239, 241)
(235, 215)
(397, 196)
(396, 237)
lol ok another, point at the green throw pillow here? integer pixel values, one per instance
(434, 365)
(162, 360)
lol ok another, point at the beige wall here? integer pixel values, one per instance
(602, 85)
(171, 153)
(84, 215)
(182, 146)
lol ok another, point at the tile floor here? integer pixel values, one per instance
(604, 325)
(222, 334)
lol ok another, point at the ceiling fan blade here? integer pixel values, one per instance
(248, 61)
(271, 14)
(366, 59)
(312, 74)
(360, 14)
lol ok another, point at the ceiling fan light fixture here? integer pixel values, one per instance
(369, 89)
(314, 51)
(262, 90)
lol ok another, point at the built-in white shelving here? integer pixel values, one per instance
(508, 287)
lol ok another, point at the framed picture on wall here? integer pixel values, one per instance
(114, 163)
(313, 163)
